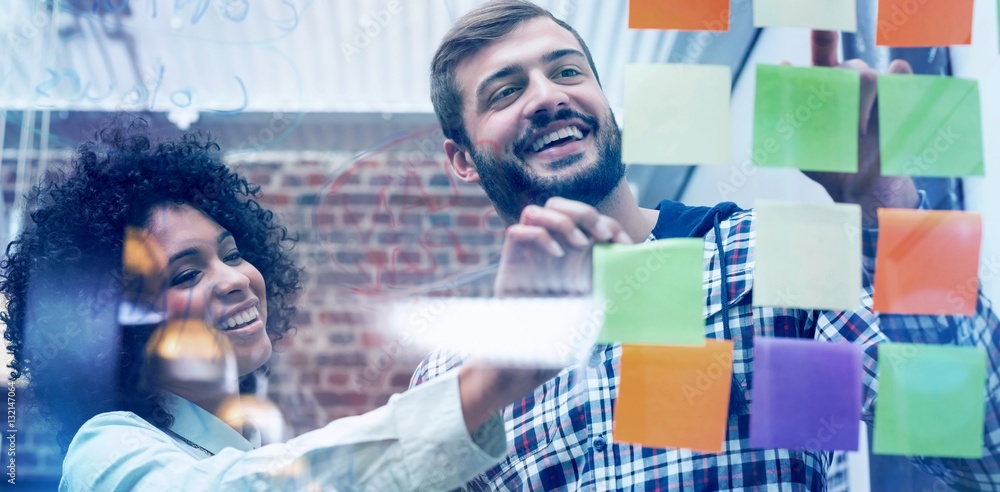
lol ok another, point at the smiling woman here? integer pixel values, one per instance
(146, 281)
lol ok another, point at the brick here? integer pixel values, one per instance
(353, 218)
(440, 220)
(341, 338)
(324, 219)
(411, 220)
(315, 179)
(400, 380)
(308, 199)
(349, 257)
(262, 179)
(309, 378)
(472, 201)
(395, 237)
(467, 258)
(469, 221)
(302, 317)
(408, 200)
(350, 179)
(382, 218)
(380, 180)
(409, 256)
(341, 237)
(295, 359)
(376, 257)
(337, 379)
(273, 199)
(292, 180)
(371, 339)
(343, 278)
(361, 199)
(349, 359)
(331, 398)
(439, 180)
(405, 278)
(339, 318)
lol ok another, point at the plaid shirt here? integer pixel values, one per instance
(562, 434)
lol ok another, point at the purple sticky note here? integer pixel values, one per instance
(806, 395)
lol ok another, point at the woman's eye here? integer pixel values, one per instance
(233, 257)
(184, 277)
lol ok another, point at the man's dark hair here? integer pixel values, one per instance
(474, 30)
(62, 276)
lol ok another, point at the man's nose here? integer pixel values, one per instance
(545, 97)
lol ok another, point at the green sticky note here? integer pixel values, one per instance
(807, 118)
(930, 126)
(791, 236)
(652, 292)
(829, 15)
(931, 400)
(676, 114)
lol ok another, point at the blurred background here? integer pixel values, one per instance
(325, 105)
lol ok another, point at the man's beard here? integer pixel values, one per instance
(511, 185)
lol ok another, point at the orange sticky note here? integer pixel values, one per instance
(674, 396)
(924, 23)
(927, 262)
(686, 15)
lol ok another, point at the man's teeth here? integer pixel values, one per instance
(556, 135)
(240, 318)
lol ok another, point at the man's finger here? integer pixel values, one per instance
(587, 218)
(824, 48)
(557, 223)
(522, 235)
(900, 67)
(869, 90)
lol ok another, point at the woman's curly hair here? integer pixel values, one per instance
(62, 276)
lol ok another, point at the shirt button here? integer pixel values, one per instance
(599, 444)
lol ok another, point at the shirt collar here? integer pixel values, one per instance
(206, 430)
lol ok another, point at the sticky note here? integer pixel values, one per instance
(927, 262)
(808, 255)
(807, 118)
(806, 395)
(930, 126)
(924, 23)
(652, 292)
(687, 15)
(676, 114)
(931, 400)
(830, 15)
(674, 397)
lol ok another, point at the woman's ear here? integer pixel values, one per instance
(460, 162)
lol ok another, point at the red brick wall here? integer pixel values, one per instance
(386, 225)
(389, 224)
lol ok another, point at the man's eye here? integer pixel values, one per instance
(503, 93)
(569, 72)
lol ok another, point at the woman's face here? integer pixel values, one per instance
(208, 280)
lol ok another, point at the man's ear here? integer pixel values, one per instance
(460, 162)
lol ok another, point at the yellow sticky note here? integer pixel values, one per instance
(676, 114)
(829, 15)
(808, 255)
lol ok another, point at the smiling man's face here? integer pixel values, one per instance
(538, 120)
